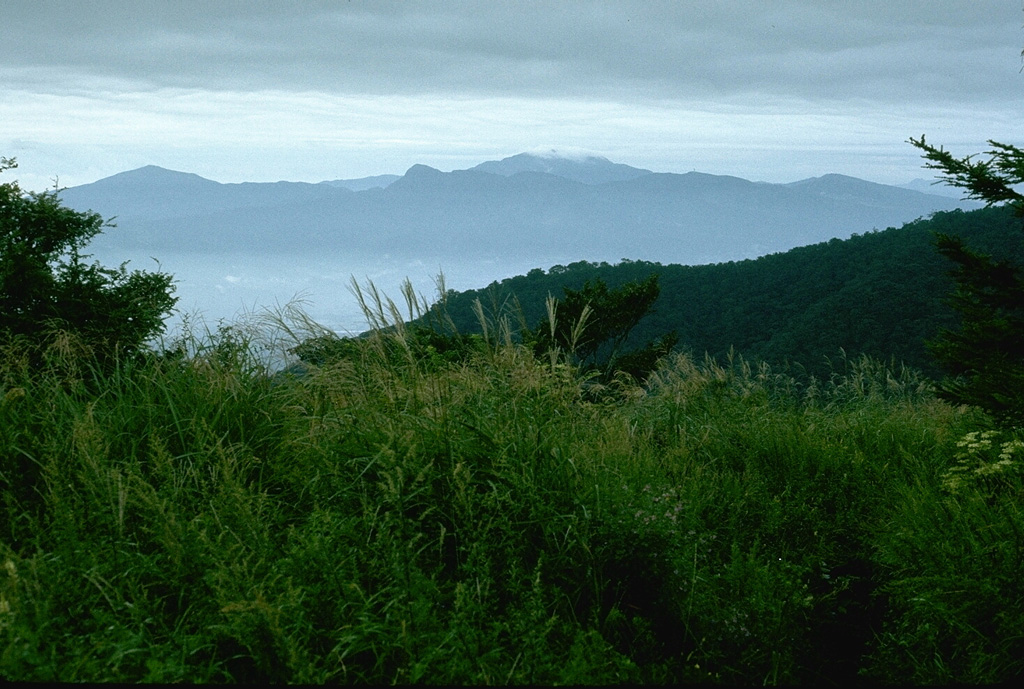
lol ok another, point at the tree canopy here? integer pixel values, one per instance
(593, 323)
(985, 355)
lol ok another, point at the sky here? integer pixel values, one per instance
(308, 90)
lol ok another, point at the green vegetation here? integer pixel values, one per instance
(390, 518)
(48, 289)
(592, 324)
(986, 352)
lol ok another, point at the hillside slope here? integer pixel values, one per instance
(880, 293)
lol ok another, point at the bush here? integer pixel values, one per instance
(47, 286)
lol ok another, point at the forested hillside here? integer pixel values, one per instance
(882, 293)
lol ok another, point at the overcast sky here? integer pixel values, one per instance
(773, 90)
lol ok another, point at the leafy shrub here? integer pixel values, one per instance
(47, 287)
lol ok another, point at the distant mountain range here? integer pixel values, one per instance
(553, 207)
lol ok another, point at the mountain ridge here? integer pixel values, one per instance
(689, 218)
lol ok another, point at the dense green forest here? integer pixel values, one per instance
(882, 293)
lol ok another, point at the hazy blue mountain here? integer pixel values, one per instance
(153, 193)
(688, 218)
(586, 169)
(928, 186)
(842, 187)
(363, 183)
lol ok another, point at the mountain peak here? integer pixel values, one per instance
(154, 175)
(581, 167)
(419, 170)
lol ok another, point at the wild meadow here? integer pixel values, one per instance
(479, 515)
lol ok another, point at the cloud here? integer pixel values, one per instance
(570, 152)
(643, 49)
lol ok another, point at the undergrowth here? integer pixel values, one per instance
(491, 518)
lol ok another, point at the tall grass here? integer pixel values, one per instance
(489, 519)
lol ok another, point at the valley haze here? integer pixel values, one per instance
(237, 248)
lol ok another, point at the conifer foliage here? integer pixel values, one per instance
(47, 284)
(986, 354)
(594, 323)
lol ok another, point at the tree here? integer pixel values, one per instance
(986, 354)
(46, 283)
(593, 323)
